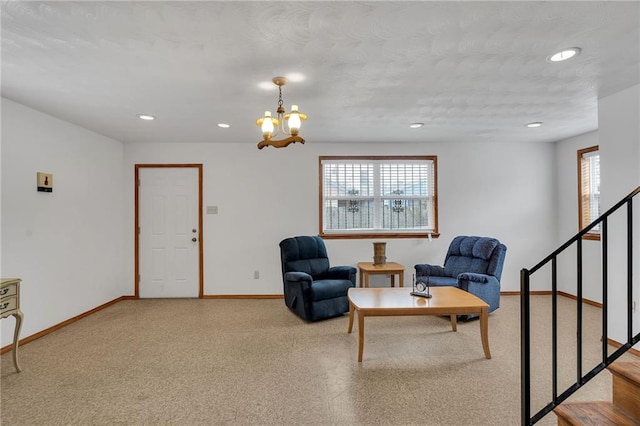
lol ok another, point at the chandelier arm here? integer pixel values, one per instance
(282, 143)
(276, 129)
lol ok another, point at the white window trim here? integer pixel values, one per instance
(584, 155)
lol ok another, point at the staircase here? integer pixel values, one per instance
(625, 407)
(623, 410)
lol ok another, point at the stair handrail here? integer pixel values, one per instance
(525, 310)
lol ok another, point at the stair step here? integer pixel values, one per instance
(626, 386)
(600, 413)
(628, 369)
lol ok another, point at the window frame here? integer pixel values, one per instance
(382, 234)
(584, 203)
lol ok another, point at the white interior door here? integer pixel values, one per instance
(168, 236)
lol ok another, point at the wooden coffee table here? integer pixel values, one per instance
(389, 268)
(399, 302)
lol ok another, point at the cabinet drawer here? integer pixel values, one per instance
(9, 290)
(8, 304)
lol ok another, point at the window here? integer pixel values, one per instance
(373, 197)
(589, 190)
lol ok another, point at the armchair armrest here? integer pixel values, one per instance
(423, 270)
(297, 292)
(470, 276)
(486, 287)
(342, 273)
(301, 277)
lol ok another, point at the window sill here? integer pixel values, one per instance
(335, 236)
(592, 237)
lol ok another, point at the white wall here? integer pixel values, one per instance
(65, 245)
(567, 218)
(619, 140)
(266, 195)
(78, 241)
(619, 130)
(74, 247)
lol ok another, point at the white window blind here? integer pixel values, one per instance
(589, 174)
(369, 195)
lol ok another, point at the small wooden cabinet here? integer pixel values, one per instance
(10, 305)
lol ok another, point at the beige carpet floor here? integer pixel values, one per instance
(252, 362)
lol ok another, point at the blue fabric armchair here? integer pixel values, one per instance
(473, 264)
(314, 290)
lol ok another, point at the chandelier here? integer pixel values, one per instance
(272, 126)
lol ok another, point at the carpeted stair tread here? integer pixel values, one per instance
(601, 413)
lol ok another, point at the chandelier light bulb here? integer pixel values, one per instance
(294, 121)
(267, 125)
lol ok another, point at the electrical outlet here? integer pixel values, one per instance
(256, 275)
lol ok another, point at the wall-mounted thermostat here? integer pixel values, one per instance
(45, 182)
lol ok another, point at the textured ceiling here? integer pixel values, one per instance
(471, 71)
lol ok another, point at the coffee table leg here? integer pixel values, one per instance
(454, 322)
(393, 280)
(360, 335)
(484, 332)
(351, 309)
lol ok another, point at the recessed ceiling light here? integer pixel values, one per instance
(535, 124)
(416, 125)
(223, 125)
(564, 54)
(146, 117)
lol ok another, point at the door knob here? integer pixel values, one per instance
(194, 230)
(194, 239)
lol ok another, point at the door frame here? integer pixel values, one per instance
(136, 229)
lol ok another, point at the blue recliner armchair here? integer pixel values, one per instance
(473, 264)
(314, 290)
